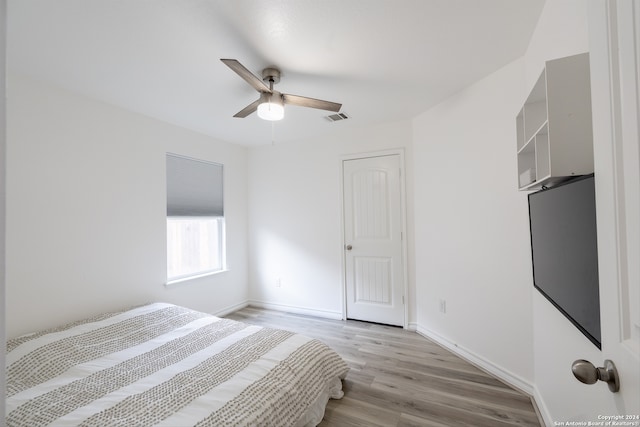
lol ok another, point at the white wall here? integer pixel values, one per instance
(295, 217)
(86, 210)
(561, 31)
(472, 238)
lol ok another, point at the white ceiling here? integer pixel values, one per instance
(384, 60)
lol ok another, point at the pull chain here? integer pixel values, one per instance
(273, 131)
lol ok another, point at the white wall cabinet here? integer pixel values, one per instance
(555, 139)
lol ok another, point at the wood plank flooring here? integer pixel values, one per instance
(399, 378)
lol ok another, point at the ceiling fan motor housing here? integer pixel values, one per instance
(270, 75)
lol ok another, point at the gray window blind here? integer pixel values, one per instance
(194, 187)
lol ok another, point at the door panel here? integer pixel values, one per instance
(615, 86)
(371, 204)
(373, 281)
(373, 245)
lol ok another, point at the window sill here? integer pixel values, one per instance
(196, 276)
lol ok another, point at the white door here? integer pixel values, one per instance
(615, 85)
(373, 239)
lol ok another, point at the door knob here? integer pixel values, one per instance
(348, 247)
(585, 372)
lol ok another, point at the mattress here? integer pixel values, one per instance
(165, 365)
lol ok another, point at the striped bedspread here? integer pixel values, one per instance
(164, 365)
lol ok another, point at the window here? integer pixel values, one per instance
(194, 246)
(195, 218)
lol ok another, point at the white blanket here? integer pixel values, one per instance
(164, 365)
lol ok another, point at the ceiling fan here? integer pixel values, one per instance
(270, 105)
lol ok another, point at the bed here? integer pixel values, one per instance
(165, 365)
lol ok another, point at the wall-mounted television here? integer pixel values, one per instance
(564, 249)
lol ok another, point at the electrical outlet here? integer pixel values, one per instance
(278, 282)
(443, 306)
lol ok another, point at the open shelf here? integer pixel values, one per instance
(554, 137)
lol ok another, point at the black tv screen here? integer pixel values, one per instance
(565, 251)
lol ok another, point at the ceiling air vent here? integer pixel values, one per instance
(337, 117)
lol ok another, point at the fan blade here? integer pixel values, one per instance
(303, 101)
(247, 75)
(248, 109)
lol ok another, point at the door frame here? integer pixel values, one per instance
(403, 219)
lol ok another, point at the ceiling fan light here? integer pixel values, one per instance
(272, 107)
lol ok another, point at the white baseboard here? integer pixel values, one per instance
(482, 363)
(543, 412)
(335, 315)
(223, 312)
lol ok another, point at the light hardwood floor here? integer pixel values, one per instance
(399, 378)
